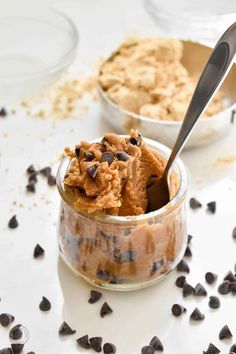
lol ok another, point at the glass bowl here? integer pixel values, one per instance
(125, 253)
(36, 45)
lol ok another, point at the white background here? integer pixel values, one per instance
(137, 315)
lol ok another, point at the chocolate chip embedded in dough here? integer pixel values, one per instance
(108, 157)
(156, 266)
(122, 156)
(136, 140)
(225, 333)
(89, 155)
(92, 171)
(194, 203)
(77, 151)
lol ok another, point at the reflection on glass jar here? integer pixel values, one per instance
(125, 253)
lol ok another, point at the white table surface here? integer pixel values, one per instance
(137, 315)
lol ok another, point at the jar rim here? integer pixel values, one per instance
(167, 209)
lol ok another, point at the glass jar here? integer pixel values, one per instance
(125, 253)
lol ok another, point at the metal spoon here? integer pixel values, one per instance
(211, 78)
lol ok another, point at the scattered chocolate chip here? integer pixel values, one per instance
(199, 290)
(109, 348)
(31, 169)
(122, 156)
(17, 348)
(105, 309)
(211, 207)
(196, 315)
(13, 223)
(124, 257)
(194, 203)
(96, 344)
(148, 350)
(3, 112)
(180, 281)
(38, 251)
(214, 302)
(89, 156)
(188, 252)
(77, 151)
(212, 349)
(94, 296)
(31, 187)
(234, 233)
(189, 239)
(92, 171)
(210, 277)
(136, 140)
(108, 157)
(232, 288)
(33, 178)
(156, 266)
(16, 332)
(223, 288)
(30, 353)
(183, 266)
(51, 180)
(84, 342)
(230, 277)
(6, 351)
(45, 304)
(187, 290)
(233, 348)
(225, 333)
(6, 319)
(65, 329)
(46, 171)
(156, 344)
(177, 310)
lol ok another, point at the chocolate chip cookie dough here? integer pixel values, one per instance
(104, 233)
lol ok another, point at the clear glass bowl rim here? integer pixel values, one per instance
(166, 210)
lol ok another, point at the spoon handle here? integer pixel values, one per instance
(211, 78)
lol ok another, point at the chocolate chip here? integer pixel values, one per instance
(109, 348)
(65, 329)
(6, 319)
(189, 239)
(177, 310)
(33, 178)
(17, 348)
(6, 351)
(105, 309)
(156, 266)
(31, 169)
(45, 304)
(30, 353)
(38, 251)
(96, 344)
(212, 349)
(196, 315)
(16, 332)
(211, 207)
(214, 302)
(200, 290)
(156, 344)
(122, 156)
(188, 252)
(180, 281)
(3, 112)
(225, 333)
(31, 187)
(77, 151)
(234, 233)
(89, 156)
(51, 180)
(94, 296)
(108, 157)
(223, 288)
(84, 342)
(46, 171)
(92, 171)
(194, 203)
(183, 266)
(103, 275)
(136, 140)
(124, 257)
(187, 290)
(233, 348)
(232, 288)
(210, 277)
(148, 350)
(13, 223)
(230, 277)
